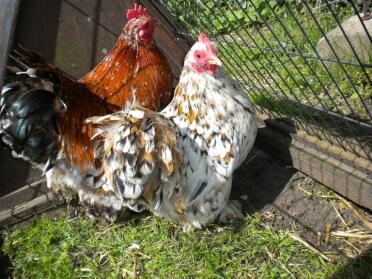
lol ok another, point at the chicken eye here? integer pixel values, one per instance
(198, 55)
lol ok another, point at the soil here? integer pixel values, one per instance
(289, 200)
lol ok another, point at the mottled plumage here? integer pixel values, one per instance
(179, 163)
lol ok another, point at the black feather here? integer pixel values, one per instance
(119, 185)
(28, 109)
(199, 191)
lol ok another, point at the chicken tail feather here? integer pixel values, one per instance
(29, 105)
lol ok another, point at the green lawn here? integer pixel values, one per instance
(59, 247)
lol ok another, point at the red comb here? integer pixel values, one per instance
(203, 38)
(137, 11)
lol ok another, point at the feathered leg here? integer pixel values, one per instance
(100, 203)
(231, 213)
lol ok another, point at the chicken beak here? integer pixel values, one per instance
(214, 60)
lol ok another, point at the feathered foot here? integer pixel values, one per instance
(100, 204)
(61, 193)
(108, 213)
(232, 212)
(187, 228)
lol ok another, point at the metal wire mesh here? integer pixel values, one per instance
(272, 47)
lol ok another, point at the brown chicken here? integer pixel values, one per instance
(134, 70)
(134, 67)
(43, 111)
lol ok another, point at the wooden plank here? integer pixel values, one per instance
(24, 202)
(349, 158)
(29, 209)
(23, 195)
(8, 15)
(350, 179)
(349, 182)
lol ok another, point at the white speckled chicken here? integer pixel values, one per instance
(179, 163)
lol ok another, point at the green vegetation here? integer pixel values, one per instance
(75, 248)
(246, 32)
(225, 16)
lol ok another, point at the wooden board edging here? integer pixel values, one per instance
(344, 173)
(22, 212)
(26, 202)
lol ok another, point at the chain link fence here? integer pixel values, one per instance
(308, 63)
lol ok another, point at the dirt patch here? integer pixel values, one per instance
(289, 200)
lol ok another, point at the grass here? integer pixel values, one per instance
(75, 248)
